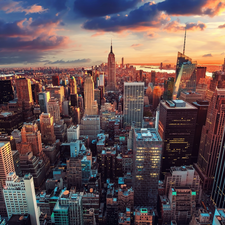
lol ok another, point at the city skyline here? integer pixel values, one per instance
(78, 33)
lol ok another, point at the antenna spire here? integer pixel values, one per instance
(185, 36)
(111, 46)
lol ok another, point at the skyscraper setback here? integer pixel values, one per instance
(111, 82)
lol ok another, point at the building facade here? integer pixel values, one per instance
(211, 138)
(111, 82)
(133, 103)
(147, 151)
(177, 121)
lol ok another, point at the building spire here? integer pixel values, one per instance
(185, 36)
(111, 47)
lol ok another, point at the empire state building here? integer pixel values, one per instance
(111, 83)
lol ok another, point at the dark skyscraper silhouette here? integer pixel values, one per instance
(211, 138)
(177, 122)
(218, 190)
(6, 91)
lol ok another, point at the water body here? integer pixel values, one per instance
(157, 69)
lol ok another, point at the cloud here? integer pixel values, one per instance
(221, 26)
(77, 61)
(175, 26)
(96, 8)
(207, 55)
(192, 7)
(18, 57)
(97, 34)
(136, 45)
(10, 6)
(195, 26)
(30, 28)
(145, 17)
(33, 38)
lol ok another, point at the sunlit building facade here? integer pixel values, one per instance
(133, 103)
(218, 190)
(111, 82)
(91, 106)
(147, 150)
(185, 75)
(211, 138)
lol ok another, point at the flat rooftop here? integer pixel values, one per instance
(2, 143)
(147, 134)
(175, 104)
(134, 84)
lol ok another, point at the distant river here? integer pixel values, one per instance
(149, 68)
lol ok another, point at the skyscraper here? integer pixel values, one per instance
(47, 129)
(211, 138)
(20, 196)
(201, 71)
(6, 166)
(202, 107)
(177, 121)
(31, 134)
(6, 91)
(6, 161)
(185, 75)
(147, 150)
(58, 93)
(133, 103)
(73, 85)
(218, 190)
(153, 73)
(111, 82)
(91, 106)
(43, 99)
(54, 109)
(31, 203)
(157, 93)
(168, 88)
(24, 92)
(55, 80)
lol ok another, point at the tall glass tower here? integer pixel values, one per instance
(147, 150)
(133, 103)
(185, 75)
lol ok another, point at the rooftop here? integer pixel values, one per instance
(147, 134)
(134, 84)
(2, 143)
(177, 104)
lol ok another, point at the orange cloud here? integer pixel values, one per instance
(11, 6)
(175, 26)
(97, 34)
(214, 7)
(136, 45)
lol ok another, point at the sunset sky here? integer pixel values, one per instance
(70, 33)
